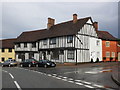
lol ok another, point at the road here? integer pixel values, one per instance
(97, 75)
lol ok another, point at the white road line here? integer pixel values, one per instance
(58, 78)
(64, 77)
(54, 74)
(100, 86)
(78, 80)
(5, 71)
(86, 82)
(88, 86)
(78, 83)
(11, 75)
(17, 85)
(49, 75)
(71, 81)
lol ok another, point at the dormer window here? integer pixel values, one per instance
(69, 39)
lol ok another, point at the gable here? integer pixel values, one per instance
(89, 21)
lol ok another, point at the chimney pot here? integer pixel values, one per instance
(95, 24)
(74, 18)
(50, 23)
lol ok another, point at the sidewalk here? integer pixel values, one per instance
(116, 74)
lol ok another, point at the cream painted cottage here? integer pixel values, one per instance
(72, 41)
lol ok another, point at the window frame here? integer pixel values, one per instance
(52, 41)
(45, 42)
(107, 53)
(72, 54)
(112, 54)
(107, 43)
(25, 45)
(33, 45)
(10, 50)
(70, 39)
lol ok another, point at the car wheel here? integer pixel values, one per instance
(9, 65)
(21, 65)
(2, 65)
(29, 65)
(45, 66)
(37, 65)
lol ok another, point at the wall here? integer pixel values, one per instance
(7, 54)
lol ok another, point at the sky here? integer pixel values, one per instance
(18, 17)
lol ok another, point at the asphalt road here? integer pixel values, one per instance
(97, 75)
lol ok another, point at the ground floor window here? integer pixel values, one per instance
(113, 54)
(55, 54)
(70, 54)
(107, 54)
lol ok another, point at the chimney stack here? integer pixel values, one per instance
(74, 18)
(95, 24)
(50, 23)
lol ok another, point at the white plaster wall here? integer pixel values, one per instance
(94, 49)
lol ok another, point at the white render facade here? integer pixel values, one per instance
(77, 48)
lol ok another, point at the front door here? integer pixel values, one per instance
(44, 55)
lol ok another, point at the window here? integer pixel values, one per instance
(98, 42)
(25, 45)
(10, 50)
(3, 50)
(9, 58)
(70, 54)
(45, 42)
(69, 39)
(18, 45)
(33, 45)
(55, 54)
(3, 59)
(107, 54)
(107, 44)
(61, 52)
(113, 54)
(53, 41)
(48, 52)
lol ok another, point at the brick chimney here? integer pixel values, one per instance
(50, 23)
(74, 18)
(95, 24)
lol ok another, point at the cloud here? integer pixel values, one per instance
(25, 16)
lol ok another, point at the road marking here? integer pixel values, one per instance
(64, 77)
(78, 83)
(58, 78)
(100, 86)
(17, 85)
(85, 82)
(78, 80)
(49, 75)
(92, 72)
(54, 74)
(71, 81)
(88, 86)
(11, 75)
(5, 71)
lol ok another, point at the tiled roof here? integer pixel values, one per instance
(7, 43)
(65, 28)
(104, 35)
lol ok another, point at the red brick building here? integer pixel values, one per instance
(109, 46)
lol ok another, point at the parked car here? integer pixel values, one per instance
(9, 62)
(29, 63)
(46, 63)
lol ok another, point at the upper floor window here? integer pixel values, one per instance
(53, 41)
(98, 42)
(18, 45)
(113, 54)
(107, 54)
(69, 39)
(33, 45)
(107, 44)
(61, 52)
(25, 45)
(3, 50)
(10, 50)
(45, 42)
